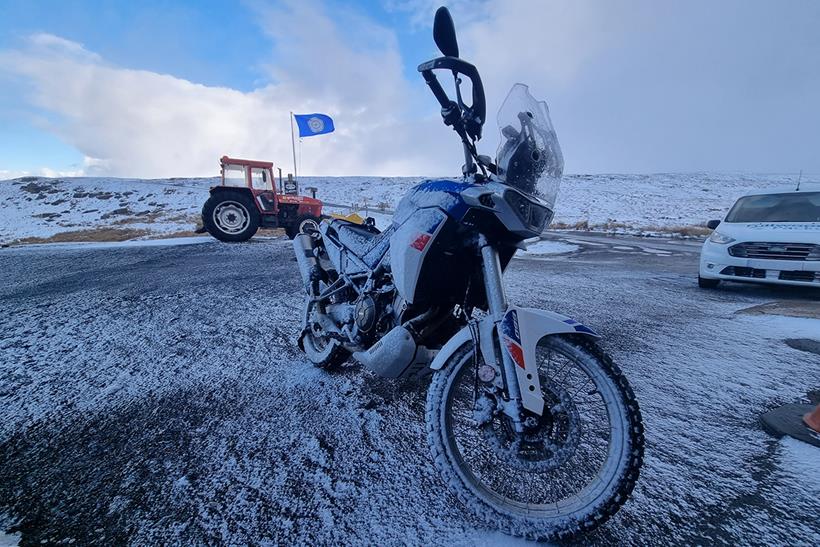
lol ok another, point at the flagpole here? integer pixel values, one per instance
(293, 145)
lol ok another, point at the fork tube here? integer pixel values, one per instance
(497, 303)
(493, 284)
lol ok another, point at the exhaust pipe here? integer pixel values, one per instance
(308, 263)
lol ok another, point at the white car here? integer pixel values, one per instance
(766, 237)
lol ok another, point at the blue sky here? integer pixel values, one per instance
(634, 85)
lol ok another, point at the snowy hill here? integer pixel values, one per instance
(38, 207)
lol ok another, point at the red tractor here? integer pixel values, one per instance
(247, 200)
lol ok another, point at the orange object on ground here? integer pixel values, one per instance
(812, 419)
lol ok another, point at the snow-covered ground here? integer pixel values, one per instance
(41, 207)
(547, 248)
(154, 395)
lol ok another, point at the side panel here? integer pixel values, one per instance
(410, 244)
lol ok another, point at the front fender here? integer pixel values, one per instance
(521, 329)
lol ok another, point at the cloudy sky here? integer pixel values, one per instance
(161, 89)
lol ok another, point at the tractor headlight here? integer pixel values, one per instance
(534, 215)
(720, 238)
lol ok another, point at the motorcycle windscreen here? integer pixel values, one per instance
(529, 156)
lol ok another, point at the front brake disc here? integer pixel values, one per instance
(550, 439)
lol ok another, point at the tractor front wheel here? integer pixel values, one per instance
(230, 216)
(304, 224)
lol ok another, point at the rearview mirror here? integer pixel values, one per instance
(444, 33)
(712, 224)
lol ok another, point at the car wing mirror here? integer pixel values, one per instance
(712, 224)
(444, 33)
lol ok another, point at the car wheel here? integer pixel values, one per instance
(704, 283)
(230, 216)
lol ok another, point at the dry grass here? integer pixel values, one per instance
(169, 235)
(151, 218)
(582, 226)
(264, 232)
(615, 226)
(75, 236)
(688, 231)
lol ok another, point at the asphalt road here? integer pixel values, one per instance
(154, 395)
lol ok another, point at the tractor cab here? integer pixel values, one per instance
(257, 176)
(247, 199)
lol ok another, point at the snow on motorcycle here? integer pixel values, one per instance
(530, 423)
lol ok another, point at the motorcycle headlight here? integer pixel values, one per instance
(534, 215)
(720, 239)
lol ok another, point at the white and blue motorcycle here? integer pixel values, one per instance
(531, 425)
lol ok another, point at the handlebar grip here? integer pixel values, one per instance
(436, 88)
(479, 104)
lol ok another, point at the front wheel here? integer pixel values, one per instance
(304, 224)
(573, 468)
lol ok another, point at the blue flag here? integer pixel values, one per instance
(313, 124)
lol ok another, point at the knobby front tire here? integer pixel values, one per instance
(544, 521)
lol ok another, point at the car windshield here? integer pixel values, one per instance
(792, 207)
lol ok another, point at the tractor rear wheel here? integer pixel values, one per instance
(230, 216)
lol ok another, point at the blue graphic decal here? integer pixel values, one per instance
(443, 194)
(509, 326)
(431, 230)
(579, 327)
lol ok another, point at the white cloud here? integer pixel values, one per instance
(143, 124)
(6, 174)
(634, 86)
(54, 173)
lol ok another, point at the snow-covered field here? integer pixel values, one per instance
(41, 207)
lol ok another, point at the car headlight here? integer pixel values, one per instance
(720, 239)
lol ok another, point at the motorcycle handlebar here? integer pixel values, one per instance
(478, 107)
(436, 88)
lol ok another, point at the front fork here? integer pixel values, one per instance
(497, 304)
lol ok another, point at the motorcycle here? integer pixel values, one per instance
(530, 423)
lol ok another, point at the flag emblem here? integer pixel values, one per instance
(316, 124)
(313, 124)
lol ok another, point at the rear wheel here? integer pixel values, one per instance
(230, 216)
(704, 283)
(322, 350)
